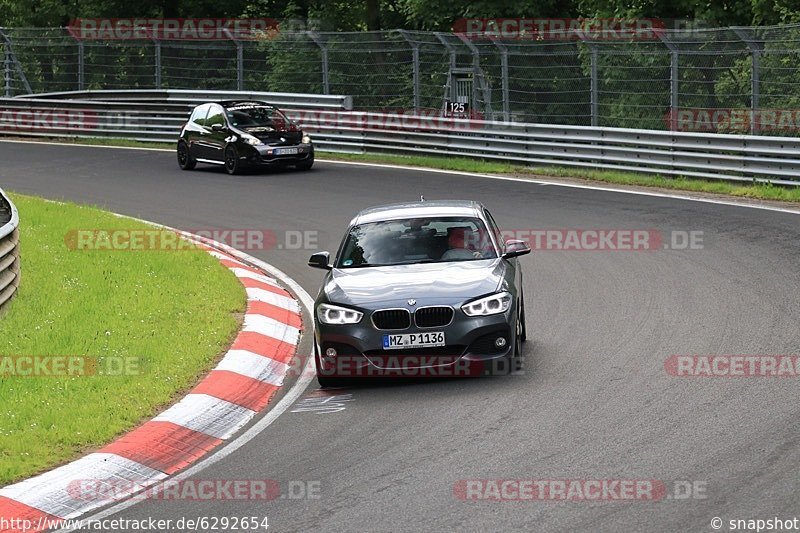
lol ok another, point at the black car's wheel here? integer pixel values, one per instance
(524, 336)
(307, 164)
(185, 160)
(232, 165)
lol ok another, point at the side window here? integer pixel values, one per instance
(215, 116)
(199, 115)
(495, 230)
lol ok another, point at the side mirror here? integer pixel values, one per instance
(321, 260)
(218, 127)
(516, 248)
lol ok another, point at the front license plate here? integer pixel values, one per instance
(413, 340)
(285, 151)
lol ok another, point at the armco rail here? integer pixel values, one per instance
(192, 98)
(157, 116)
(9, 249)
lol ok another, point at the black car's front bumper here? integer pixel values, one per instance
(266, 155)
(470, 349)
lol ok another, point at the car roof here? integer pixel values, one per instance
(236, 103)
(421, 209)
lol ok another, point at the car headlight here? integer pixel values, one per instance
(333, 314)
(252, 141)
(306, 139)
(489, 305)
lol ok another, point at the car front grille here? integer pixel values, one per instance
(391, 319)
(432, 317)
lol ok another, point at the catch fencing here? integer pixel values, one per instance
(158, 116)
(730, 80)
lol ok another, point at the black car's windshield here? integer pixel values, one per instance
(416, 240)
(255, 117)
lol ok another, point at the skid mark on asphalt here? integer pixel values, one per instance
(323, 402)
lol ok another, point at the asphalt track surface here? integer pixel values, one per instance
(594, 401)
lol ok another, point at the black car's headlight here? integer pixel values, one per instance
(251, 140)
(306, 139)
(333, 314)
(488, 305)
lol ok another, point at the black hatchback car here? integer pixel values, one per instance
(420, 289)
(239, 134)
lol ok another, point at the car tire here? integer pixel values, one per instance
(185, 159)
(522, 310)
(307, 164)
(232, 164)
(517, 359)
(330, 383)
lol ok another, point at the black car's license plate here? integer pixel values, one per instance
(286, 151)
(428, 339)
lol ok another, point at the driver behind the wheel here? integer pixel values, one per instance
(458, 239)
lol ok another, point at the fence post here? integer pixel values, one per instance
(674, 73)
(326, 87)
(81, 66)
(6, 67)
(158, 63)
(239, 60)
(756, 47)
(504, 79)
(593, 86)
(414, 67)
(239, 66)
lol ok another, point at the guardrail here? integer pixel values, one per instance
(9, 249)
(157, 116)
(193, 98)
(142, 115)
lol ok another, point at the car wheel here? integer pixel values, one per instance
(307, 164)
(330, 383)
(232, 165)
(516, 356)
(522, 308)
(185, 160)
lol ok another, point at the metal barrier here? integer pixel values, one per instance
(193, 98)
(712, 156)
(9, 249)
(142, 115)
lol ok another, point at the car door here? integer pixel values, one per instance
(514, 272)
(216, 139)
(196, 131)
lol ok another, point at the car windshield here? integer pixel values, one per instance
(255, 117)
(416, 240)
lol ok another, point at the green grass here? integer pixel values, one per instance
(464, 164)
(174, 311)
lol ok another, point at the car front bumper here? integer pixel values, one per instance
(470, 349)
(265, 155)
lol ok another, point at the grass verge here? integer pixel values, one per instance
(463, 164)
(168, 314)
(757, 191)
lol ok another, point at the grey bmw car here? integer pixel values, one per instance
(420, 289)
